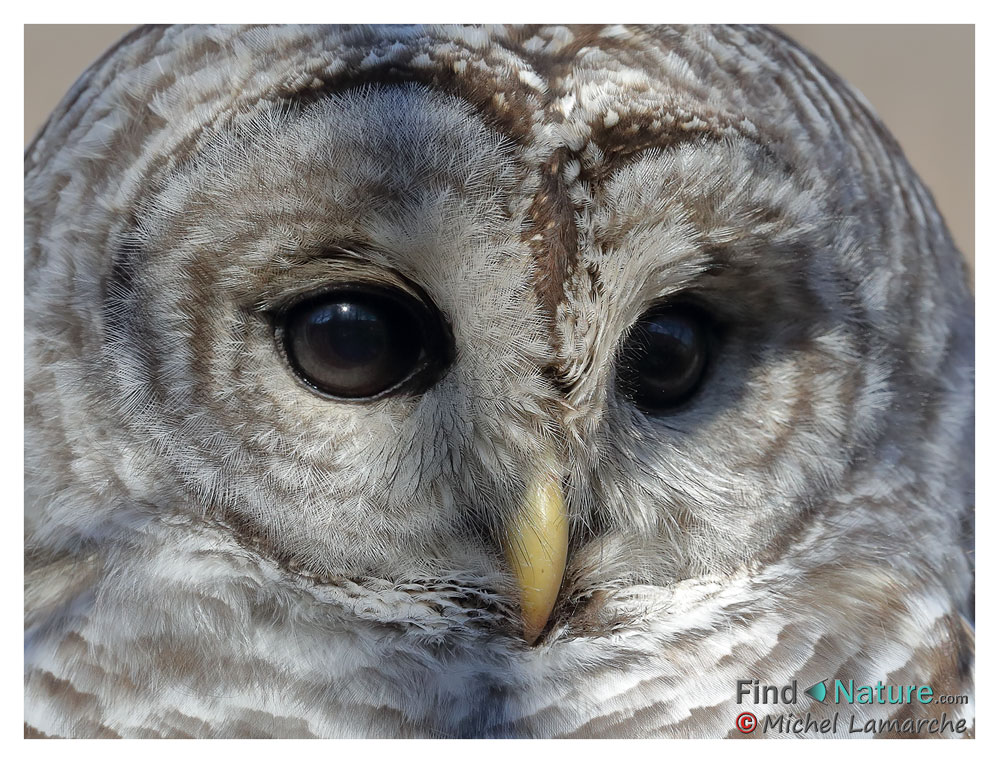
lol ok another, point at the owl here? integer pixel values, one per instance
(532, 381)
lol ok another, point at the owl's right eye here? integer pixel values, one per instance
(358, 343)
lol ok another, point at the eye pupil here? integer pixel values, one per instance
(664, 358)
(350, 335)
(355, 344)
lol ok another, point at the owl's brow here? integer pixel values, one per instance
(553, 236)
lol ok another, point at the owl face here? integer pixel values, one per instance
(556, 327)
(362, 351)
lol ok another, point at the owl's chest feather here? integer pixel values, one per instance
(214, 642)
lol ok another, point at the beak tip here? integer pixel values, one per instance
(537, 547)
(533, 628)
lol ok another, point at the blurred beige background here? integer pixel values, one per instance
(919, 78)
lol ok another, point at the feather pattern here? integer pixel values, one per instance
(214, 550)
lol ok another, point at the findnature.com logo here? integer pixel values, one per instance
(845, 693)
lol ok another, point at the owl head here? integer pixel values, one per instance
(537, 313)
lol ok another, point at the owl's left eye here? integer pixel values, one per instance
(664, 358)
(362, 343)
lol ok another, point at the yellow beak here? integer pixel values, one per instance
(536, 544)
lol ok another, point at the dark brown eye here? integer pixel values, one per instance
(358, 343)
(664, 358)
